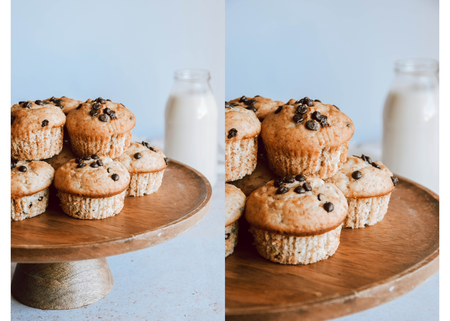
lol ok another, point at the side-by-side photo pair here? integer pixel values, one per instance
(306, 132)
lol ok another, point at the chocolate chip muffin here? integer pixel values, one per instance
(260, 176)
(100, 127)
(65, 156)
(37, 130)
(367, 185)
(30, 183)
(260, 105)
(234, 207)
(306, 137)
(296, 220)
(146, 165)
(92, 187)
(66, 104)
(241, 142)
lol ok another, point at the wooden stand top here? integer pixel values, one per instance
(182, 201)
(372, 265)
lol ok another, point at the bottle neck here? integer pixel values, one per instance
(191, 82)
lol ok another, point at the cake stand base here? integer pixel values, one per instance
(61, 286)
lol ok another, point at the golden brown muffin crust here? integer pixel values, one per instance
(240, 123)
(149, 159)
(234, 204)
(37, 177)
(264, 106)
(296, 214)
(65, 156)
(68, 104)
(259, 177)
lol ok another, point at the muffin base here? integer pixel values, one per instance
(322, 164)
(112, 146)
(144, 183)
(41, 144)
(366, 211)
(85, 208)
(231, 237)
(286, 249)
(240, 158)
(29, 206)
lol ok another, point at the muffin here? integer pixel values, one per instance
(367, 185)
(100, 127)
(241, 142)
(92, 187)
(306, 137)
(65, 156)
(37, 130)
(66, 104)
(30, 182)
(234, 207)
(260, 176)
(146, 165)
(296, 220)
(260, 105)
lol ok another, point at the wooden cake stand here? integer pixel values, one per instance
(372, 265)
(61, 260)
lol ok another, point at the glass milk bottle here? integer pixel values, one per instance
(411, 122)
(191, 122)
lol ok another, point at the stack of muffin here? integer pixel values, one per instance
(84, 150)
(290, 173)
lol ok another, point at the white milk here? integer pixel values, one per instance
(411, 131)
(191, 130)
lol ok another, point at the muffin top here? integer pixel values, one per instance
(65, 103)
(240, 123)
(304, 207)
(306, 124)
(28, 178)
(92, 176)
(30, 116)
(58, 160)
(101, 118)
(260, 105)
(143, 158)
(360, 177)
(234, 204)
(259, 177)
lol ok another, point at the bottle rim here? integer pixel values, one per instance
(416, 65)
(192, 74)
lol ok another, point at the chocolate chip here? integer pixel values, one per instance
(250, 102)
(252, 109)
(336, 107)
(234, 105)
(26, 104)
(38, 102)
(278, 182)
(320, 197)
(307, 186)
(96, 106)
(137, 155)
(257, 96)
(282, 190)
(40, 198)
(301, 110)
(22, 102)
(22, 169)
(232, 133)
(289, 179)
(299, 190)
(167, 160)
(108, 99)
(78, 160)
(394, 180)
(115, 177)
(45, 102)
(328, 206)
(316, 115)
(79, 106)
(103, 118)
(100, 162)
(317, 100)
(152, 149)
(52, 98)
(81, 165)
(112, 114)
(13, 165)
(101, 100)
(31, 204)
(95, 156)
(107, 111)
(243, 99)
(298, 119)
(375, 165)
(93, 112)
(356, 174)
(109, 170)
(44, 123)
(60, 106)
(227, 104)
(12, 119)
(94, 165)
(310, 103)
(349, 126)
(323, 121)
(87, 157)
(312, 125)
(278, 109)
(300, 178)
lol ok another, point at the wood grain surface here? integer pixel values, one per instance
(182, 201)
(62, 286)
(371, 266)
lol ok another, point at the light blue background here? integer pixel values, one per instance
(126, 51)
(341, 52)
